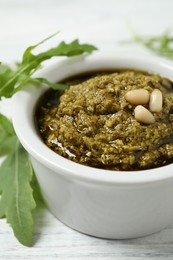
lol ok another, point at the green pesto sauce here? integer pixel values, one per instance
(91, 123)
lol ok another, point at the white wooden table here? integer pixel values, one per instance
(102, 23)
(53, 240)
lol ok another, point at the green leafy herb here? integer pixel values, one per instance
(15, 80)
(162, 45)
(7, 136)
(16, 200)
(19, 189)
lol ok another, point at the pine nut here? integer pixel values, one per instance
(143, 115)
(156, 101)
(137, 96)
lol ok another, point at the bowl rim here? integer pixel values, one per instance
(31, 141)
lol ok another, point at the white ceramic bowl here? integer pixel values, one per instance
(97, 202)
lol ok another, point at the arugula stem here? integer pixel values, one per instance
(16, 155)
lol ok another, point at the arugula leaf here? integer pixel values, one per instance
(7, 136)
(162, 45)
(15, 80)
(37, 192)
(19, 189)
(16, 201)
(6, 73)
(27, 54)
(59, 86)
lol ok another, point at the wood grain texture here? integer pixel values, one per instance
(53, 240)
